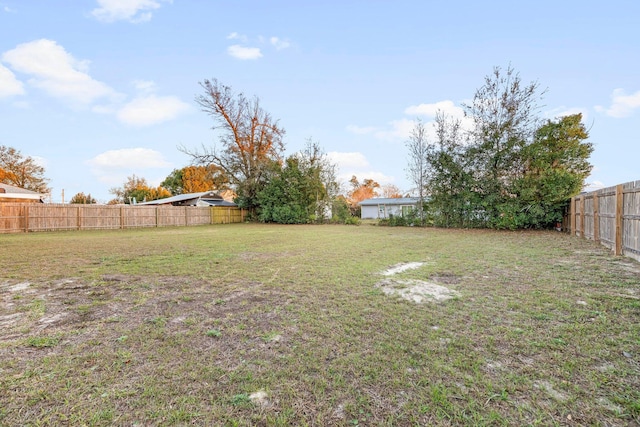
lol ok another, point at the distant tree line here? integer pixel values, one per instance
(509, 168)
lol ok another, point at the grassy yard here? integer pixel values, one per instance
(289, 325)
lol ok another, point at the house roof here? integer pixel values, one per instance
(216, 202)
(209, 195)
(376, 201)
(13, 192)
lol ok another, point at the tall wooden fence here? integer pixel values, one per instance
(610, 216)
(26, 217)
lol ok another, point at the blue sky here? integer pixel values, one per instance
(98, 90)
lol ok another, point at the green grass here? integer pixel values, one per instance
(180, 326)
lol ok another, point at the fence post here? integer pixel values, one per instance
(79, 219)
(157, 215)
(572, 218)
(582, 212)
(596, 218)
(122, 217)
(619, 217)
(26, 218)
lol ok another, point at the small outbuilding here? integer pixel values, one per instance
(13, 194)
(207, 198)
(381, 208)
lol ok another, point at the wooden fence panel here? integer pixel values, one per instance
(588, 217)
(99, 217)
(12, 217)
(607, 216)
(172, 216)
(46, 217)
(24, 217)
(139, 216)
(226, 215)
(199, 215)
(631, 227)
(610, 216)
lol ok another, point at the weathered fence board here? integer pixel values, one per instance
(27, 217)
(610, 216)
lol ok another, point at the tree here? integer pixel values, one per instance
(82, 199)
(300, 190)
(136, 190)
(418, 168)
(511, 170)
(249, 141)
(195, 179)
(556, 165)
(173, 182)
(361, 191)
(390, 191)
(503, 111)
(23, 172)
(452, 202)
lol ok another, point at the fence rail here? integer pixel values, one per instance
(27, 217)
(610, 216)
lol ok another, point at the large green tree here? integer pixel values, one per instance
(249, 140)
(21, 171)
(511, 169)
(555, 166)
(299, 191)
(504, 111)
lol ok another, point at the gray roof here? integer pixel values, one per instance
(390, 201)
(12, 189)
(183, 197)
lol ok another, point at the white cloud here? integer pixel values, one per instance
(134, 11)
(244, 53)
(129, 158)
(114, 166)
(564, 111)
(353, 160)
(144, 86)
(396, 130)
(237, 36)
(355, 163)
(622, 105)
(278, 43)
(399, 130)
(57, 72)
(151, 109)
(448, 107)
(9, 85)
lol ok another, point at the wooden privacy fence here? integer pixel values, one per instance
(610, 216)
(26, 217)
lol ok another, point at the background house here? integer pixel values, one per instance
(380, 208)
(207, 198)
(10, 193)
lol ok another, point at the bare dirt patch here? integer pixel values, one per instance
(417, 291)
(399, 268)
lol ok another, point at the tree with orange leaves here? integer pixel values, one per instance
(196, 179)
(249, 140)
(361, 191)
(390, 191)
